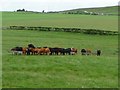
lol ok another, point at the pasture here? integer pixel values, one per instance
(58, 71)
(112, 10)
(109, 23)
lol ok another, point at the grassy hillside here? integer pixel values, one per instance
(60, 20)
(112, 10)
(74, 71)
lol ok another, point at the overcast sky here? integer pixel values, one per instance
(53, 5)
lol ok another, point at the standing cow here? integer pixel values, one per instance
(83, 51)
(31, 49)
(73, 51)
(88, 52)
(98, 52)
(17, 50)
(54, 51)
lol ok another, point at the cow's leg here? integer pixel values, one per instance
(69, 53)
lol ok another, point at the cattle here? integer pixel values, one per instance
(44, 51)
(38, 51)
(31, 46)
(32, 50)
(65, 51)
(83, 51)
(47, 51)
(17, 50)
(69, 51)
(24, 50)
(28, 51)
(73, 51)
(98, 52)
(88, 52)
(61, 51)
(54, 51)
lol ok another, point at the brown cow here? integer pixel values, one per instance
(32, 51)
(88, 51)
(73, 51)
(24, 50)
(43, 51)
(47, 51)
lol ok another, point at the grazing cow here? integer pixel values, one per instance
(68, 51)
(39, 51)
(32, 51)
(73, 51)
(24, 50)
(47, 51)
(65, 51)
(98, 52)
(54, 51)
(88, 52)
(28, 51)
(83, 51)
(17, 50)
(62, 51)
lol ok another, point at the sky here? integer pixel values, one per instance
(53, 5)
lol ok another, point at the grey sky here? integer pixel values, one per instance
(53, 5)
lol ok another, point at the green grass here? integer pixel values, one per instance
(74, 71)
(60, 20)
(106, 10)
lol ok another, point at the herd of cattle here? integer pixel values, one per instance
(32, 50)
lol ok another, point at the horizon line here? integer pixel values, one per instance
(58, 10)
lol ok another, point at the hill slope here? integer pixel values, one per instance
(111, 10)
(109, 23)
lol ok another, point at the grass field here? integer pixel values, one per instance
(74, 71)
(105, 10)
(60, 20)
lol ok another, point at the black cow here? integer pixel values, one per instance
(30, 49)
(98, 52)
(17, 50)
(62, 51)
(83, 51)
(54, 51)
(67, 51)
(31, 46)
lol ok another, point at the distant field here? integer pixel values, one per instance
(74, 71)
(60, 20)
(111, 10)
